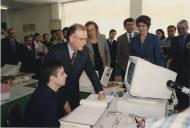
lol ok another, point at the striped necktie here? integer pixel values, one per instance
(73, 58)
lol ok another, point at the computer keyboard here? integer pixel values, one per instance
(110, 120)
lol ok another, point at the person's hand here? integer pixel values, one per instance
(169, 62)
(101, 96)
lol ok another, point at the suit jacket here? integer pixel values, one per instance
(113, 51)
(181, 60)
(8, 55)
(150, 50)
(123, 50)
(103, 49)
(28, 58)
(82, 62)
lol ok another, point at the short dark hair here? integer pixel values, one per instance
(171, 26)
(44, 35)
(36, 34)
(128, 20)
(73, 28)
(65, 29)
(27, 36)
(112, 30)
(92, 23)
(53, 31)
(144, 19)
(50, 68)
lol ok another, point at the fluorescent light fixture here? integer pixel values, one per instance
(4, 7)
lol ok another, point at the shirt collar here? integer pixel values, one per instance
(132, 34)
(70, 51)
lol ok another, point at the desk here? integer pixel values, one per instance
(19, 94)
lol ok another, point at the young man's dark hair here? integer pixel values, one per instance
(128, 20)
(36, 34)
(49, 69)
(171, 26)
(112, 30)
(42, 107)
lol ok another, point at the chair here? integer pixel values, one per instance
(14, 116)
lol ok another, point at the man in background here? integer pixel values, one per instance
(10, 48)
(112, 44)
(123, 45)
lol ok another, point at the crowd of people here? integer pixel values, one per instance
(83, 47)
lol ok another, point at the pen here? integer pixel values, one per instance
(137, 122)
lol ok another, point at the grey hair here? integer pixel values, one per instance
(183, 22)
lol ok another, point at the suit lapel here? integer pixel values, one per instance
(67, 62)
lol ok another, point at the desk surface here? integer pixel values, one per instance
(20, 90)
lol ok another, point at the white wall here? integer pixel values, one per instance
(167, 12)
(108, 14)
(40, 16)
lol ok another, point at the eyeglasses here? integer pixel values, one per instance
(81, 39)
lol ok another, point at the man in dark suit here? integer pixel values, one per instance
(28, 55)
(123, 45)
(180, 61)
(10, 49)
(75, 58)
(112, 44)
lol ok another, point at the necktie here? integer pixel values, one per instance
(30, 49)
(13, 45)
(73, 57)
(130, 36)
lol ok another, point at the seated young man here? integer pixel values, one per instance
(41, 109)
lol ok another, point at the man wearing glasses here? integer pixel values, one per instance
(75, 58)
(179, 60)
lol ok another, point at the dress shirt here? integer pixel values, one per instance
(70, 51)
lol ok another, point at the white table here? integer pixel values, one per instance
(20, 90)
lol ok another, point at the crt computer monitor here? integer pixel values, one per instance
(144, 79)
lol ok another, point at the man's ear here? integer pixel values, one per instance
(52, 78)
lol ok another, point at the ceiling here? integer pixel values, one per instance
(20, 4)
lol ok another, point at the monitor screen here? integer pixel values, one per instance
(130, 72)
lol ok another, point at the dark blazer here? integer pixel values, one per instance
(41, 109)
(28, 58)
(8, 56)
(181, 59)
(123, 50)
(150, 50)
(181, 64)
(82, 62)
(113, 51)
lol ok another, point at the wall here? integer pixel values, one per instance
(108, 14)
(166, 13)
(40, 16)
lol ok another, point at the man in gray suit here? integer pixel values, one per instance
(123, 45)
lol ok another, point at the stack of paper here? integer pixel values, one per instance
(85, 115)
(10, 70)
